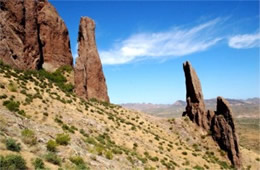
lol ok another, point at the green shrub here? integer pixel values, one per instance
(51, 145)
(197, 167)
(53, 158)
(12, 105)
(77, 160)
(117, 151)
(4, 96)
(29, 137)
(154, 159)
(12, 145)
(63, 139)
(12, 87)
(91, 140)
(12, 162)
(184, 153)
(109, 155)
(38, 164)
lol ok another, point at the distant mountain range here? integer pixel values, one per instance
(241, 108)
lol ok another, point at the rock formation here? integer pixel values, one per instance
(220, 123)
(32, 35)
(223, 131)
(195, 108)
(54, 37)
(19, 45)
(89, 78)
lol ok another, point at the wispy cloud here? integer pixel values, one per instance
(245, 41)
(175, 42)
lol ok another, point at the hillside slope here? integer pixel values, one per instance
(37, 110)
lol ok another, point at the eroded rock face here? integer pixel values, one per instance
(220, 123)
(54, 37)
(32, 35)
(195, 108)
(89, 78)
(19, 45)
(223, 131)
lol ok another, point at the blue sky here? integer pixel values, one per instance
(142, 46)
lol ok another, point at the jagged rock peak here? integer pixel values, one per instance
(195, 108)
(32, 35)
(224, 132)
(193, 87)
(89, 77)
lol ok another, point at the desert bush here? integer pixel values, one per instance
(11, 105)
(109, 154)
(63, 139)
(12, 145)
(91, 140)
(12, 87)
(83, 133)
(154, 159)
(77, 160)
(12, 162)
(197, 167)
(51, 146)
(4, 96)
(38, 164)
(184, 153)
(53, 158)
(29, 137)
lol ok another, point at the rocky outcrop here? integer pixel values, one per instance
(220, 123)
(89, 78)
(32, 35)
(19, 45)
(195, 108)
(223, 131)
(54, 37)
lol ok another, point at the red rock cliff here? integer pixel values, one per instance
(32, 35)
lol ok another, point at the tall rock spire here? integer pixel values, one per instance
(195, 108)
(89, 77)
(223, 131)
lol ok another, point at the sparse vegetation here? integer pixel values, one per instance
(51, 145)
(38, 164)
(109, 131)
(12, 105)
(63, 139)
(12, 145)
(29, 137)
(53, 158)
(12, 162)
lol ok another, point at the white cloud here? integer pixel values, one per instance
(245, 41)
(175, 42)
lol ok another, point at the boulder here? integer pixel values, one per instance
(89, 77)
